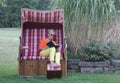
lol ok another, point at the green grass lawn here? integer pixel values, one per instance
(9, 41)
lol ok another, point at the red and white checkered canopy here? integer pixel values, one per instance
(51, 16)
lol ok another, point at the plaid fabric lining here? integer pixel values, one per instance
(51, 16)
(31, 36)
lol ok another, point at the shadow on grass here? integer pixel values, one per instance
(14, 78)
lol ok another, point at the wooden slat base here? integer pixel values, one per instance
(38, 67)
(28, 68)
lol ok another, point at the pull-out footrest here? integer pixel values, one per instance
(53, 72)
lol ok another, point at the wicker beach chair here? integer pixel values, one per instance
(35, 25)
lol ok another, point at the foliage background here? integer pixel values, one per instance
(89, 19)
(10, 10)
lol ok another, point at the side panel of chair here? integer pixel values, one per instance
(65, 55)
(21, 68)
(28, 68)
(63, 66)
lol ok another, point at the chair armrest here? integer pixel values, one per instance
(65, 49)
(19, 48)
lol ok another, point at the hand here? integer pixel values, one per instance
(24, 47)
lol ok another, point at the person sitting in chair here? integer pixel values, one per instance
(52, 52)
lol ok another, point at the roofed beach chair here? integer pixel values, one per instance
(35, 25)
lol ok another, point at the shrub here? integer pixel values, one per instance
(98, 51)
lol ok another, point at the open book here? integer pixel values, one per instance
(51, 44)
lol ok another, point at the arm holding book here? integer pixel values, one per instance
(52, 44)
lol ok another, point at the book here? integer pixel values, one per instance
(51, 44)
